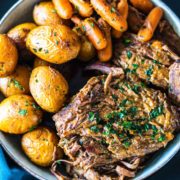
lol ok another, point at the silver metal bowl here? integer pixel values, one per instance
(22, 12)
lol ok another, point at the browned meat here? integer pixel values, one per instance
(148, 61)
(174, 82)
(100, 128)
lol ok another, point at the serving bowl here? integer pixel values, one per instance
(22, 12)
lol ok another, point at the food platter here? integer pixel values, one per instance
(21, 12)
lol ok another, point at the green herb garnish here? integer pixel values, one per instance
(149, 71)
(22, 112)
(129, 54)
(113, 10)
(157, 111)
(17, 84)
(94, 129)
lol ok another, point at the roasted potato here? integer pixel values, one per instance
(87, 51)
(55, 44)
(41, 146)
(49, 88)
(19, 113)
(44, 13)
(16, 83)
(19, 34)
(174, 81)
(8, 55)
(147, 30)
(63, 8)
(39, 62)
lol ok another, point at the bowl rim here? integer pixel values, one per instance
(172, 152)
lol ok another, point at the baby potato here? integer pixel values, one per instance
(39, 62)
(49, 88)
(87, 51)
(44, 13)
(18, 34)
(19, 113)
(8, 55)
(16, 83)
(55, 44)
(40, 145)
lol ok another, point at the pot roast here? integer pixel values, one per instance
(112, 119)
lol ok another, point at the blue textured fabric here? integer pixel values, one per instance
(11, 173)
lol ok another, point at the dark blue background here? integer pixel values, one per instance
(172, 170)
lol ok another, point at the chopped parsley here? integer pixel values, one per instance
(113, 10)
(126, 143)
(17, 84)
(91, 116)
(35, 106)
(115, 97)
(129, 54)
(157, 111)
(92, 24)
(46, 51)
(94, 129)
(149, 71)
(156, 62)
(161, 138)
(55, 33)
(22, 112)
(83, 28)
(126, 42)
(32, 128)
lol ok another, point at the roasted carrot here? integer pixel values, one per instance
(63, 8)
(143, 5)
(106, 53)
(83, 7)
(147, 30)
(92, 31)
(122, 7)
(110, 15)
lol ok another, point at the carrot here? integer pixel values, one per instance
(92, 31)
(110, 15)
(106, 53)
(83, 7)
(143, 5)
(147, 30)
(63, 8)
(123, 8)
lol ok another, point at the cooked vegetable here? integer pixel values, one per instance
(39, 62)
(49, 88)
(110, 14)
(92, 31)
(44, 13)
(147, 30)
(8, 55)
(63, 8)
(83, 7)
(106, 53)
(19, 34)
(143, 5)
(87, 51)
(122, 7)
(174, 81)
(19, 113)
(16, 83)
(41, 146)
(56, 44)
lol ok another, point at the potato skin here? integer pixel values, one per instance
(39, 62)
(9, 55)
(18, 34)
(19, 113)
(16, 83)
(44, 13)
(49, 88)
(40, 145)
(55, 44)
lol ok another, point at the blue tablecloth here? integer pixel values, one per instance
(11, 171)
